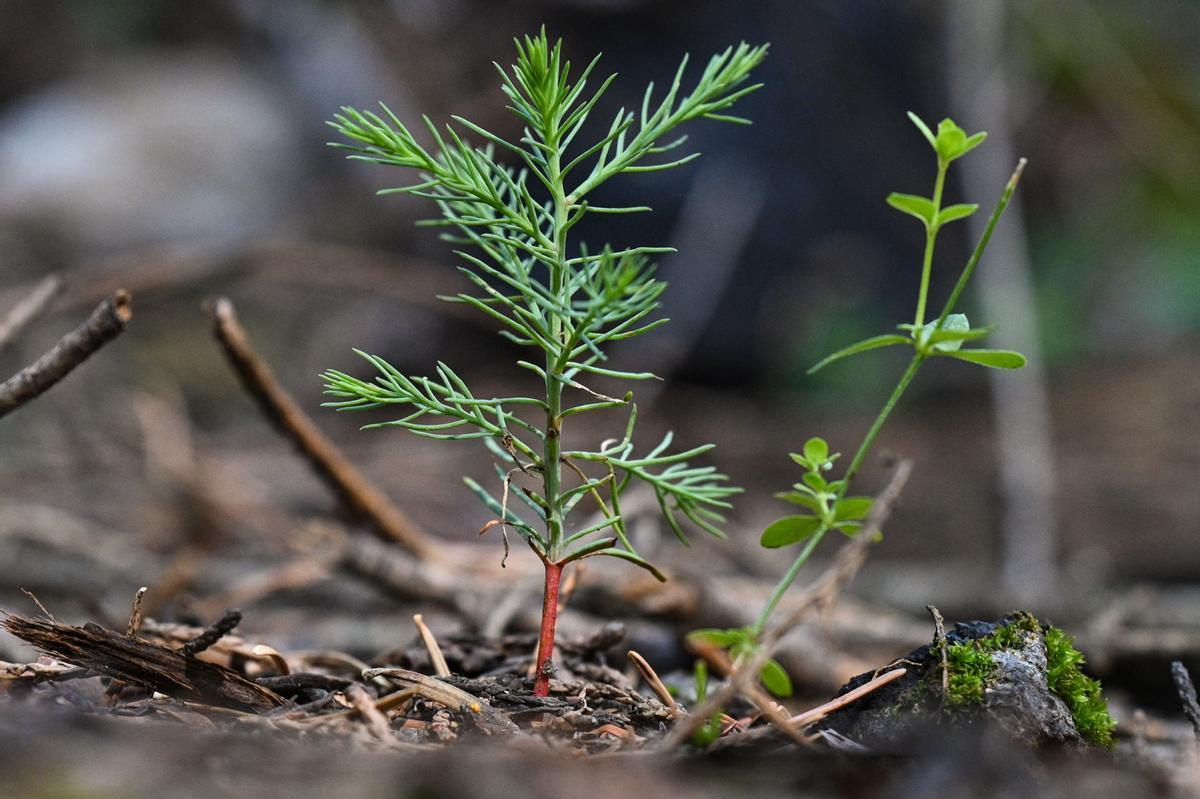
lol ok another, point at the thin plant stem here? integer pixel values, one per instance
(552, 450)
(785, 582)
(552, 460)
(873, 433)
(981, 245)
(545, 653)
(931, 231)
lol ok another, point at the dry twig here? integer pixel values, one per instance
(939, 639)
(36, 672)
(213, 633)
(721, 664)
(485, 717)
(330, 464)
(364, 704)
(653, 680)
(132, 628)
(135, 613)
(435, 652)
(107, 321)
(25, 312)
(817, 713)
(33, 598)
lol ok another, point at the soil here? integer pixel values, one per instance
(216, 709)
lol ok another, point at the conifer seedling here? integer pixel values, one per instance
(565, 302)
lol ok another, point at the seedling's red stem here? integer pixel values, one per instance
(545, 653)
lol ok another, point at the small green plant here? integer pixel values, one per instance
(826, 505)
(565, 302)
(710, 730)
(739, 643)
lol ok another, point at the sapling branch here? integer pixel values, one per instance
(567, 307)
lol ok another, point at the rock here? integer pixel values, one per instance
(152, 148)
(1000, 675)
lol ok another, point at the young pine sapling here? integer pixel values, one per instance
(826, 505)
(565, 302)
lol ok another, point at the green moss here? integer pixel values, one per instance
(970, 663)
(1081, 693)
(971, 668)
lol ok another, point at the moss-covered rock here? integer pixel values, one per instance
(1014, 673)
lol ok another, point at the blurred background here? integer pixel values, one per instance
(178, 151)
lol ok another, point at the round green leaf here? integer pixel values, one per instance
(915, 205)
(951, 140)
(852, 508)
(815, 481)
(816, 451)
(955, 212)
(789, 530)
(776, 678)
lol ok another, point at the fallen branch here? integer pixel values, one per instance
(351, 486)
(29, 309)
(140, 662)
(106, 323)
(816, 598)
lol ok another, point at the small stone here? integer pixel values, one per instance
(1011, 694)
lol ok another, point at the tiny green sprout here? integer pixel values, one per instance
(826, 504)
(826, 508)
(741, 644)
(511, 225)
(710, 730)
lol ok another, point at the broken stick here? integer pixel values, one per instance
(136, 661)
(106, 323)
(331, 465)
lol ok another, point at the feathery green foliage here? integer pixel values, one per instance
(568, 304)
